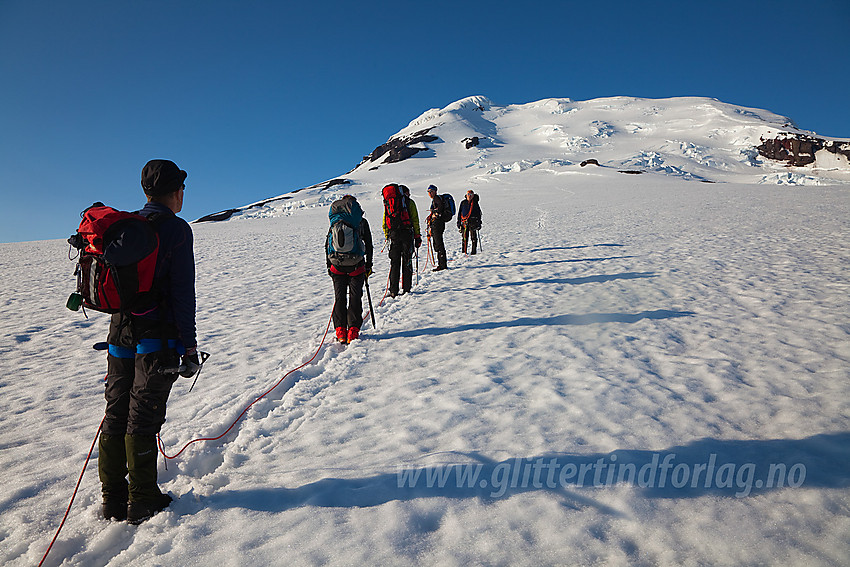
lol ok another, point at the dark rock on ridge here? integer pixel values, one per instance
(470, 142)
(226, 214)
(399, 149)
(799, 149)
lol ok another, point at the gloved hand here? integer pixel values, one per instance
(368, 269)
(417, 240)
(190, 363)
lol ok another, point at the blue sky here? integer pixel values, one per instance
(256, 98)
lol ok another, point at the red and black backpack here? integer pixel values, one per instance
(395, 208)
(117, 259)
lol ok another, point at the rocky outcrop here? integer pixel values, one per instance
(224, 215)
(799, 149)
(220, 216)
(399, 149)
(469, 143)
(589, 162)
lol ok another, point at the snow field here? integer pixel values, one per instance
(633, 316)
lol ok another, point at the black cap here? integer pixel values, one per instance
(162, 176)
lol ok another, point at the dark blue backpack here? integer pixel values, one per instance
(448, 207)
(345, 244)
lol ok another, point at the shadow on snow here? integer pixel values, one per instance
(576, 247)
(706, 467)
(544, 262)
(586, 319)
(571, 281)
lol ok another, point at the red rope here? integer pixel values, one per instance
(429, 257)
(74, 495)
(160, 444)
(241, 415)
(386, 291)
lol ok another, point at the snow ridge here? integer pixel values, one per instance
(691, 138)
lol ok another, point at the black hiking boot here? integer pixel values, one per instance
(114, 510)
(138, 512)
(145, 497)
(112, 470)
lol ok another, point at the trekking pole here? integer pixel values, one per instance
(417, 266)
(369, 298)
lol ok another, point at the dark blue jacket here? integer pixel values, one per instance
(468, 211)
(436, 216)
(175, 271)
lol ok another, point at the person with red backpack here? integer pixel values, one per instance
(437, 226)
(348, 252)
(148, 346)
(403, 238)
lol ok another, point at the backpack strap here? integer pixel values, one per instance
(156, 219)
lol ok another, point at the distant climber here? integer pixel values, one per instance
(436, 228)
(403, 239)
(469, 220)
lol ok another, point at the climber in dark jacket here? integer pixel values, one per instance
(436, 227)
(469, 220)
(147, 349)
(402, 244)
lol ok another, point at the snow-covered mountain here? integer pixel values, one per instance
(697, 139)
